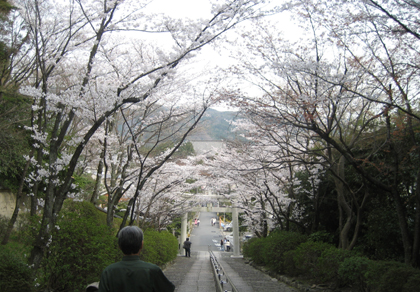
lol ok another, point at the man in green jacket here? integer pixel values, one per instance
(131, 274)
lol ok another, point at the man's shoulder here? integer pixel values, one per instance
(112, 267)
(132, 265)
(150, 266)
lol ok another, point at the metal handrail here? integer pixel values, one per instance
(217, 267)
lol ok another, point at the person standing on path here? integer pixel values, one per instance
(187, 247)
(227, 244)
(132, 274)
(221, 245)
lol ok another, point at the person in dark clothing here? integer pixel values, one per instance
(131, 274)
(187, 247)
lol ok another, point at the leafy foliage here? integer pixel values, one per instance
(323, 263)
(353, 271)
(185, 150)
(277, 244)
(85, 185)
(14, 110)
(321, 236)
(252, 248)
(15, 275)
(159, 248)
(14, 140)
(270, 250)
(81, 247)
(306, 255)
(383, 276)
(328, 264)
(381, 238)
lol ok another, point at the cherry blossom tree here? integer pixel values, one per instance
(352, 76)
(379, 41)
(133, 144)
(86, 69)
(166, 194)
(294, 95)
(259, 176)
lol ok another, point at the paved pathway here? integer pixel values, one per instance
(194, 274)
(248, 279)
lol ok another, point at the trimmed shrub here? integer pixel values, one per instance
(413, 283)
(305, 257)
(325, 263)
(329, 263)
(15, 275)
(353, 271)
(252, 249)
(290, 268)
(159, 248)
(389, 276)
(276, 245)
(81, 247)
(322, 236)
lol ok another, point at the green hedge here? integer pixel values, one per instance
(276, 245)
(390, 276)
(306, 258)
(252, 249)
(289, 253)
(81, 247)
(352, 271)
(159, 248)
(270, 251)
(15, 275)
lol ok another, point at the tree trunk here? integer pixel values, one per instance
(416, 240)
(98, 181)
(129, 206)
(360, 210)
(18, 201)
(315, 216)
(402, 221)
(42, 237)
(346, 214)
(12, 220)
(35, 188)
(110, 211)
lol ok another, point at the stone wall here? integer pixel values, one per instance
(7, 203)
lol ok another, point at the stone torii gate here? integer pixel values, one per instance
(210, 208)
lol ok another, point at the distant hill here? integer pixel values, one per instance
(215, 125)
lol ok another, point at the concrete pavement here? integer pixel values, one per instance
(192, 274)
(248, 279)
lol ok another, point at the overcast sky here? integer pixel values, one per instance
(201, 9)
(182, 8)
